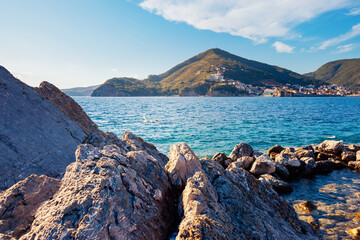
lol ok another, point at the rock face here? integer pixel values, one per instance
(107, 194)
(35, 136)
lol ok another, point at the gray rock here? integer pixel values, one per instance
(263, 165)
(278, 185)
(241, 150)
(330, 146)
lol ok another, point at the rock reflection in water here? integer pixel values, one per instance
(336, 197)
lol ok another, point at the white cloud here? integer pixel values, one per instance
(115, 70)
(354, 12)
(282, 47)
(255, 19)
(355, 31)
(345, 48)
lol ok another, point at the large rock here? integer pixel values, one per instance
(222, 159)
(241, 150)
(330, 146)
(288, 159)
(263, 165)
(222, 204)
(309, 165)
(183, 164)
(19, 203)
(302, 152)
(246, 161)
(358, 155)
(35, 136)
(348, 156)
(107, 195)
(273, 151)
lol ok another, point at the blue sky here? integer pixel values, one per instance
(85, 42)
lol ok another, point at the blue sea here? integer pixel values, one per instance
(209, 125)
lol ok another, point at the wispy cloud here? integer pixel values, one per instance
(282, 47)
(256, 20)
(354, 12)
(345, 48)
(355, 31)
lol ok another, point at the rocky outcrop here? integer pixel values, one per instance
(107, 194)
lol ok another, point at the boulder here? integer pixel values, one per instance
(348, 156)
(330, 146)
(338, 164)
(354, 165)
(275, 149)
(278, 185)
(222, 159)
(302, 152)
(282, 171)
(236, 164)
(355, 232)
(183, 163)
(358, 155)
(353, 147)
(324, 156)
(241, 150)
(323, 167)
(263, 165)
(288, 159)
(309, 165)
(247, 161)
(304, 207)
(107, 195)
(19, 203)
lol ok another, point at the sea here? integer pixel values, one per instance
(216, 124)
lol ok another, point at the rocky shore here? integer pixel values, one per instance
(124, 188)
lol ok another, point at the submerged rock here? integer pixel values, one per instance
(241, 150)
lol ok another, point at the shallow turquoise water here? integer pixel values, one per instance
(209, 125)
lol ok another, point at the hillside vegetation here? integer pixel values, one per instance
(342, 72)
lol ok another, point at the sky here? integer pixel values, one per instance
(85, 42)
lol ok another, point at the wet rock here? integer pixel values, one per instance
(288, 159)
(358, 156)
(273, 151)
(338, 164)
(183, 163)
(353, 147)
(330, 146)
(241, 150)
(348, 156)
(309, 165)
(278, 185)
(263, 165)
(355, 232)
(246, 161)
(222, 159)
(103, 197)
(354, 165)
(323, 167)
(282, 171)
(19, 203)
(304, 207)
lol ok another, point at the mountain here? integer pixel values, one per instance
(342, 72)
(80, 91)
(202, 75)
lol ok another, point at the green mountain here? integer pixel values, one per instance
(342, 72)
(80, 91)
(202, 74)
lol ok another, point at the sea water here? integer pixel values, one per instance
(210, 125)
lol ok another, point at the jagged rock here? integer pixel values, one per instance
(330, 146)
(107, 195)
(278, 185)
(246, 161)
(302, 152)
(135, 143)
(182, 164)
(309, 165)
(19, 203)
(348, 156)
(241, 150)
(288, 159)
(323, 167)
(354, 165)
(273, 151)
(282, 171)
(232, 204)
(263, 165)
(222, 159)
(35, 136)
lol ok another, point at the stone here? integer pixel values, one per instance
(323, 167)
(182, 164)
(309, 165)
(338, 164)
(278, 185)
(19, 203)
(304, 207)
(330, 146)
(273, 151)
(358, 155)
(221, 159)
(247, 161)
(237, 164)
(288, 159)
(263, 165)
(282, 171)
(355, 232)
(241, 150)
(348, 156)
(324, 156)
(301, 152)
(111, 196)
(353, 147)
(355, 165)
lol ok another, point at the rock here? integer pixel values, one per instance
(221, 159)
(348, 156)
(355, 232)
(301, 152)
(304, 207)
(19, 203)
(358, 156)
(35, 136)
(220, 204)
(330, 146)
(237, 164)
(288, 159)
(263, 165)
(183, 164)
(241, 150)
(323, 167)
(278, 185)
(354, 165)
(247, 161)
(275, 149)
(353, 147)
(282, 171)
(324, 156)
(338, 164)
(102, 197)
(309, 165)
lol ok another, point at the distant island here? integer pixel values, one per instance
(219, 73)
